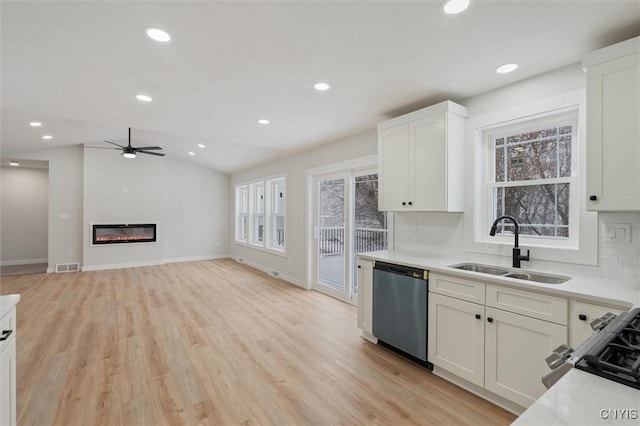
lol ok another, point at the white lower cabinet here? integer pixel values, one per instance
(456, 337)
(515, 350)
(365, 296)
(502, 351)
(8, 368)
(581, 315)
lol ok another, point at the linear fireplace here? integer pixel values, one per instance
(124, 233)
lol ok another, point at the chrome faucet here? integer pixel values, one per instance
(517, 257)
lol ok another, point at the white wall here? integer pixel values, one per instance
(65, 201)
(24, 216)
(189, 203)
(293, 267)
(196, 212)
(437, 233)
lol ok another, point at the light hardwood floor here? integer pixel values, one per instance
(212, 342)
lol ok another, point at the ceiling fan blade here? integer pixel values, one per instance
(113, 143)
(147, 147)
(151, 153)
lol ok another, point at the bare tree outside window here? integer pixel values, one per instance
(532, 178)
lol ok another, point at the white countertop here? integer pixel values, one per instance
(578, 397)
(7, 302)
(605, 291)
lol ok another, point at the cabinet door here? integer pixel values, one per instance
(613, 135)
(580, 316)
(8, 384)
(456, 337)
(515, 352)
(428, 163)
(365, 295)
(393, 155)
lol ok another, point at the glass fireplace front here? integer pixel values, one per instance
(124, 233)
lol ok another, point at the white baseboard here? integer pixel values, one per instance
(481, 392)
(51, 270)
(121, 265)
(23, 262)
(197, 258)
(269, 271)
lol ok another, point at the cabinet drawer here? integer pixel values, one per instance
(580, 316)
(8, 322)
(471, 291)
(534, 305)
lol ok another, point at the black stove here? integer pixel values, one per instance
(615, 353)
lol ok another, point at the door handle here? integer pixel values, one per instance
(5, 335)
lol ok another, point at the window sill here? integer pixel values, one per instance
(277, 252)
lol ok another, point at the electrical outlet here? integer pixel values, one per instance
(72, 252)
(617, 233)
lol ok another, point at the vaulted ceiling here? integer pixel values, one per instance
(77, 67)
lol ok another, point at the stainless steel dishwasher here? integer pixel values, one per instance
(400, 309)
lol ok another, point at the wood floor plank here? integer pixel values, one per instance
(212, 343)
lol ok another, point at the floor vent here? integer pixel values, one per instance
(274, 274)
(67, 267)
(240, 260)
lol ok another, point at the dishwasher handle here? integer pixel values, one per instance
(400, 270)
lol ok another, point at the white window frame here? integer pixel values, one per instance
(242, 212)
(266, 184)
(488, 151)
(581, 246)
(273, 242)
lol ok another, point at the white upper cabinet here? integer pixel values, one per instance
(613, 127)
(421, 160)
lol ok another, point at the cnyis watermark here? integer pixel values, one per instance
(619, 414)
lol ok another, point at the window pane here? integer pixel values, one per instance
(499, 165)
(533, 160)
(564, 146)
(539, 209)
(278, 231)
(278, 197)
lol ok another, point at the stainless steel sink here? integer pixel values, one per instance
(483, 269)
(538, 278)
(510, 273)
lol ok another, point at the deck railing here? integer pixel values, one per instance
(331, 240)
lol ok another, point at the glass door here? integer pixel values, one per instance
(347, 222)
(330, 232)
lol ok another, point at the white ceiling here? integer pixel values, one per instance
(77, 66)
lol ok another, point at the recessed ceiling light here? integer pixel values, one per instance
(321, 87)
(263, 121)
(452, 7)
(192, 153)
(503, 69)
(35, 124)
(47, 137)
(200, 145)
(144, 98)
(14, 163)
(157, 34)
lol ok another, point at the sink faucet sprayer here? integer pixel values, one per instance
(517, 257)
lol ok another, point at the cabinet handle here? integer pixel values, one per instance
(410, 203)
(593, 198)
(582, 317)
(359, 266)
(5, 335)
(478, 316)
(490, 319)
(404, 204)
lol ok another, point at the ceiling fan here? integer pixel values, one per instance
(131, 151)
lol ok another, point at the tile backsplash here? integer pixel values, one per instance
(443, 234)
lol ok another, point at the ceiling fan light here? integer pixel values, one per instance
(129, 154)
